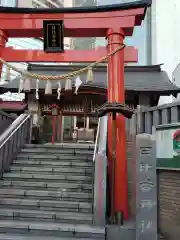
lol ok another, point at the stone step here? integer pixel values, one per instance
(52, 229)
(49, 177)
(62, 145)
(52, 157)
(54, 163)
(48, 205)
(62, 175)
(70, 170)
(43, 215)
(4, 236)
(71, 151)
(46, 185)
(39, 194)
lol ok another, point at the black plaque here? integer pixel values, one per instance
(53, 36)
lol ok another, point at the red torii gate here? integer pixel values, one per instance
(113, 22)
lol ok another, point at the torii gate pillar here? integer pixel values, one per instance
(116, 93)
(112, 21)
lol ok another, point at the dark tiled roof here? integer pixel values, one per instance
(137, 78)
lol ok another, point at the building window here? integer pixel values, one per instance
(83, 43)
(8, 3)
(48, 3)
(141, 38)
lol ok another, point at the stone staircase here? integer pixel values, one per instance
(48, 194)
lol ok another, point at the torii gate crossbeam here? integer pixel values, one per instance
(113, 22)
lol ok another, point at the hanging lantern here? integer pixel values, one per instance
(48, 88)
(90, 75)
(27, 85)
(8, 74)
(54, 110)
(59, 90)
(78, 83)
(68, 84)
(37, 89)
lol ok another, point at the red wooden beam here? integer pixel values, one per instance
(13, 55)
(88, 27)
(75, 24)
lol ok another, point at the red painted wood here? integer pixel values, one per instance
(15, 55)
(54, 118)
(116, 93)
(84, 25)
(59, 130)
(88, 27)
(92, 25)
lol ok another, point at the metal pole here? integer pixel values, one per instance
(112, 216)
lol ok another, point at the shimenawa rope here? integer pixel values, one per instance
(65, 76)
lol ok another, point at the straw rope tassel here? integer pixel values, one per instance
(68, 84)
(48, 88)
(21, 84)
(8, 74)
(27, 84)
(78, 83)
(37, 89)
(59, 90)
(90, 75)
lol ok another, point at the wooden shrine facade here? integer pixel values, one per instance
(143, 86)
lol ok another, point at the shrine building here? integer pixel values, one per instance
(76, 112)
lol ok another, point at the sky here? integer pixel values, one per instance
(138, 39)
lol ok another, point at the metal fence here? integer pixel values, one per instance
(145, 118)
(5, 121)
(142, 122)
(13, 139)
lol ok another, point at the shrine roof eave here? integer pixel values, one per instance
(146, 78)
(138, 79)
(89, 9)
(95, 90)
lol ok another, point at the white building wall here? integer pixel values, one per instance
(24, 3)
(166, 34)
(165, 30)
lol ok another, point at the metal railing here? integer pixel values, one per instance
(97, 139)
(146, 117)
(100, 173)
(5, 121)
(13, 139)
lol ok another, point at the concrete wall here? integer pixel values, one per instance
(169, 204)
